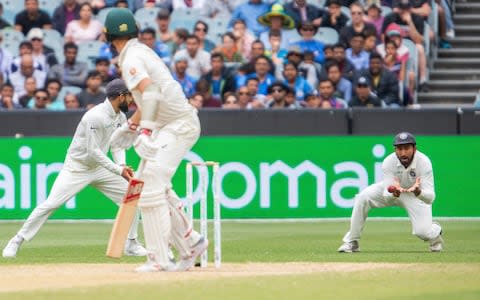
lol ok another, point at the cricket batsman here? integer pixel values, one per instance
(86, 163)
(408, 183)
(169, 127)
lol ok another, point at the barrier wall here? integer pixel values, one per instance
(262, 176)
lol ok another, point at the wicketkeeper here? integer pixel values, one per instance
(408, 183)
(169, 127)
(86, 163)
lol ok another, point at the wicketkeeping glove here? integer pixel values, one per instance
(124, 136)
(144, 146)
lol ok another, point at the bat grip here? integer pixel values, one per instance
(141, 166)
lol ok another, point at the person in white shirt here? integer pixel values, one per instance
(408, 183)
(169, 127)
(198, 59)
(86, 163)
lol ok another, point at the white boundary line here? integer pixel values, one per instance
(303, 220)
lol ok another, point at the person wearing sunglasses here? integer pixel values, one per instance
(358, 25)
(309, 43)
(200, 30)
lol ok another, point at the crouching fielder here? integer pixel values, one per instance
(408, 183)
(86, 163)
(169, 127)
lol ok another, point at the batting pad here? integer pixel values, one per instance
(156, 227)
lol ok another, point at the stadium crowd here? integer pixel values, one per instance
(234, 54)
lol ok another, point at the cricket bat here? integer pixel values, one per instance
(124, 218)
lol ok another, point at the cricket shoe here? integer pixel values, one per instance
(349, 247)
(436, 245)
(187, 262)
(12, 247)
(134, 248)
(153, 266)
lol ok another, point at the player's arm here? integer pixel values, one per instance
(426, 191)
(389, 180)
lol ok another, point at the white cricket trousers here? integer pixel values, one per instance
(158, 199)
(67, 185)
(419, 212)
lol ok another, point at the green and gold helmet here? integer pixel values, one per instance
(118, 23)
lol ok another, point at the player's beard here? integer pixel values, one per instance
(123, 107)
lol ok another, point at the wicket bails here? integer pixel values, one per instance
(202, 168)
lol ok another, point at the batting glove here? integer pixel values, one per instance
(145, 147)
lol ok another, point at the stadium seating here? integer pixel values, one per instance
(216, 28)
(54, 40)
(15, 6)
(9, 16)
(386, 10)
(102, 14)
(11, 40)
(327, 35)
(146, 17)
(48, 6)
(88, 52)
(186, 18)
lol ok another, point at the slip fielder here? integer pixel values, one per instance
(86, 163)
(169, 127)
(408, 183)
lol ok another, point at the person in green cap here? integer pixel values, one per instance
(163, 130)
(276, 20)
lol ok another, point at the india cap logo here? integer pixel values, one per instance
(123, 27)
(403, 136)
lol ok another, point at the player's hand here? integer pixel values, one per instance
(127, 173)
(396, 189)
(415, 188)
(144, 146)
(124, 136)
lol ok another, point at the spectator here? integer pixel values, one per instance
(26, 70)
(333, 17)
(32, 17)
(179, 39)
(147, 36)
(356, 55)
(276, 52)
(343, 86)
(163, 4)
(221, 78)
(53, 87)
(258, 49)
(203, 87)
(328, 53)
(363, 95)
(346, 66)
(3, 22)
(180, 75)
(384, 83)
(6, 59)
(277, 91)
(30, 86)
(42, 54)
(200, 30)
(25, 47)
(71, 101)
(412, 28)
(85, 29)
(327, 97)
(93, 94)
(295, 82)
(65, 13)
(198, 59)
(102, 65)
(41, 99)
(244, 39)
(189, 4)
(374, 16)
(249, 12)
(229, 50)
(309, 43)
(302, 12)
(313, 101)
(7, 97)
(307, 71)
(370, 41)
(276, 20)
(258, 100)
(70, 72)
(163, 23)
(196, 100)
(244, 98)
(121, 3)
(230, 101)
(358, 25)
(262, 73)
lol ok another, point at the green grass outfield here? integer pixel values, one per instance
(452, 274)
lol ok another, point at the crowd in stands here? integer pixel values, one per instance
(287, 54)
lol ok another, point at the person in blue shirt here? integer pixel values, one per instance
(249, 12)
(179, 74)
(262, 72)
(309, 43)
(297, 83)
(356, 55)
(147, 36)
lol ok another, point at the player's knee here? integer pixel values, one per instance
(152, 198)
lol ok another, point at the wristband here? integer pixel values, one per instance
(146, 131)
